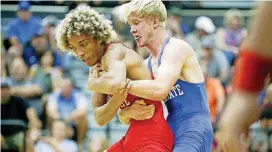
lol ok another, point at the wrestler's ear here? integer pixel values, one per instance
(100, 42)
(156, 22)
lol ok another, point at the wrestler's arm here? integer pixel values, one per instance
(167, 75)
(136, 110)
(259, 39)
(242, 109)
(114, 77)
(104, 110)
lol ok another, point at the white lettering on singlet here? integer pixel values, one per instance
(125, 104)
(174, 92)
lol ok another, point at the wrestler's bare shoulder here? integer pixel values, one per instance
(180, 47)
(119, 51)
(116, 49)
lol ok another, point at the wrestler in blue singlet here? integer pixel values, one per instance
(189, 116)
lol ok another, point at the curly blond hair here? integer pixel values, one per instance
(83, 20)
(148, 9)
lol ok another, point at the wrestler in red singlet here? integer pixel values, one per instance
(251, 70)
(151, 135)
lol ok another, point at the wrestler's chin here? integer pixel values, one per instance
(90, 63)
(139, 44)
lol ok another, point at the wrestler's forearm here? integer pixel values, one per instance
(259, 39)
(106, 113)
(105, 84)
(108, 82)
(101, 85)
(148, 89)
(241, 111)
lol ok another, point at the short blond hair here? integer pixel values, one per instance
(80, 21)
(148, 9)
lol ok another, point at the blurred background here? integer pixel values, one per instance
(40, 84)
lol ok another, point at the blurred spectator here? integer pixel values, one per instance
(12, 53)
(175, 13)
(203, 26)
(34, 50)
(22, 86)
(98, 143)
(21, 29)
(49, 24)
(46, 73)
(265, 96)
(77, 71)
(215, 94)
(172, 27)
(3, 66)
(262, 131)
(53, 143)
(246, 140)
(71, 106)
(218, 66)
(122, 29)
(15, 108)
(229, 38)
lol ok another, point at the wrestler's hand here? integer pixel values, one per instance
(227, 141)
(122, 95)
(125, 86)
(139, 110)
(96, 71)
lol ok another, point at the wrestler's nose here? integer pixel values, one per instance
(132, 29)
(80, 52)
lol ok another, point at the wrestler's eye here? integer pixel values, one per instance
(83, 44)
(71, 47)
(136, 23)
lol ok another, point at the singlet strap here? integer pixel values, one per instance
(161, 52)
(108, 45)
(149, 64)
(162, 49)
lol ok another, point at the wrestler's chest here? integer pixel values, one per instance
(155, 66)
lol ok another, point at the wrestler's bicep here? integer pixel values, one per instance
(169, 71)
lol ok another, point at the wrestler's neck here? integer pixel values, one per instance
(105, 47)
(114, 39)
(157, 39)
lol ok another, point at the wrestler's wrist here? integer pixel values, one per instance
(130, 83)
